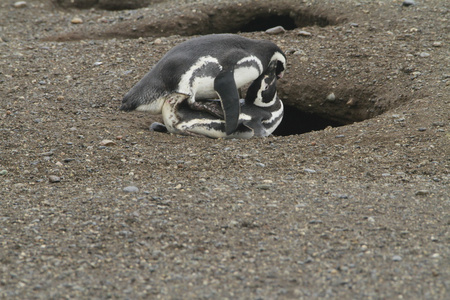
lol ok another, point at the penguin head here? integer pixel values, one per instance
(280, 60)
(263, 91)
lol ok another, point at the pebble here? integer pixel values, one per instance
(98, 63)
(422, 193)
(276, 30)
(331, 97)
(437, 44)
(54, 178)
(157, 41)
(435, 255)
(421, 129)
(260, 165)
(408, 3)
(397, 258)
(315, 222)
(107, 143)
(310, 171)
(263, 187)
(49, 153)
(304, 33)
(424, 54)
(131, 189)
(20, 4)
(351, 102)
(76, 20)
(3, 172)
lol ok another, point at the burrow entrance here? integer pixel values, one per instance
(296, 121)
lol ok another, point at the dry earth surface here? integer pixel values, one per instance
(354, 211)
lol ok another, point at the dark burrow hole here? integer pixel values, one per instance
(296, 121)
(266, 22)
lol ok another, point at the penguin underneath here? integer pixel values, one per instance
(261, 112)
(204, 68)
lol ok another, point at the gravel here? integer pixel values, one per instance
(236, 219)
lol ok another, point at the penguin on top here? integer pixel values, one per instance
(261, 112)
(206, 67)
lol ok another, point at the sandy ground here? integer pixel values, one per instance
(349, 212)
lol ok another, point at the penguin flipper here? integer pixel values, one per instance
(158, 127)
(225, 86)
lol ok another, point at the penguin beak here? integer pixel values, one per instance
(279, 76)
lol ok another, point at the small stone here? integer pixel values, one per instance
(276, 30)
(371, 220)
(304, 33)
(157, 41)
(408, 3)
(260, 165)
(263, 187)
(397, 258)
(331, 97)
(3, 172)
(107, 143)
(421, 129)
(233, 223)
(311, 171)
(131, 189)
(20, 4)
(60, 98)
(351, 102)
(315, 222)
(54, 179)
(354, 24)
(422, 193)
(76, 20)
(435, 255)
(49, 153)
(437, 44)
(424, 54)
(98, 63)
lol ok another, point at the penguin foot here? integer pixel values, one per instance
(158, 127)
(212, 107)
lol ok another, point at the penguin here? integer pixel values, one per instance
(261, 112)
(203, 68)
